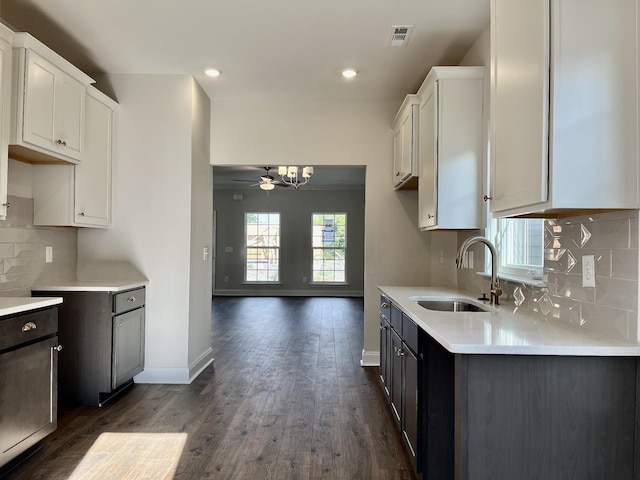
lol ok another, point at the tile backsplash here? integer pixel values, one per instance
(611, 307)
(22, 250)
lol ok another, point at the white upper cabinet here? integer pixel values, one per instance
(80, 195)
(405, 134)
(564, 101)
(48, 119)
(6, 37)
(93, 176)
(450, 149)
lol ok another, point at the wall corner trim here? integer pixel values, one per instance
(370, 359)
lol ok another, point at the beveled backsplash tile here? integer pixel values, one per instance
(611, 306)
(609, 321)
(624, 264)
(22, 247)
(570, 286)
(615, 293)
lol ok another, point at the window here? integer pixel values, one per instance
(329, 245)
(262, 242)
(519, 243)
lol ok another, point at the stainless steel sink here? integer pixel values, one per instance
(450, 306)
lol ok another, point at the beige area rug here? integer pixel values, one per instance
(118, 456)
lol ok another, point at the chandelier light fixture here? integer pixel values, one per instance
(289, 175)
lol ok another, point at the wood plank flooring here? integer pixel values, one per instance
(285, 399)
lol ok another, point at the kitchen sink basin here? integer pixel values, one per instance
(450, 306)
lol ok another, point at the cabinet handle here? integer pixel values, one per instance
(397, 174)
(57, 348)
(131, 299)
(81, 214)
(383, 327)
(430, 216)
(27, 327)
(487, 198)
(6, 204)
(384, 305)
(61, 142)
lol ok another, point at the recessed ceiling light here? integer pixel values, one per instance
(349, 73)
(212, 72)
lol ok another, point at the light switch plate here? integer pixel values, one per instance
(588, 271)
(48, 254)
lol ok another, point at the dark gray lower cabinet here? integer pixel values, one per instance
(502, 417)
(28, 383)
(103, 336)
(385, 350)
(506, 417)
(399, 373)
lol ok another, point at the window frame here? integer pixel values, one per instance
(500, 231)
(343, 248)
(271, 245)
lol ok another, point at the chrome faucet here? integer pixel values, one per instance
(495, 285)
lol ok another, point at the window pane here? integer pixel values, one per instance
(262, 247)
(519, 243)
(329, 241)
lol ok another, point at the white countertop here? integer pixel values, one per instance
(501, 331)
(13, 305)
(90, 286)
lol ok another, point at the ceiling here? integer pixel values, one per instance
(289, 49)
(275, 48)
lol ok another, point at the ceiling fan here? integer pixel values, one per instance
(266, 182)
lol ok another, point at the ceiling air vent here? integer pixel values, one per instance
(400, 35)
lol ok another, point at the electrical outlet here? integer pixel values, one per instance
(588, 271)
(470, 254)
(304, 279)
(441, 257)
(48, 254)
(226, 278)
(205, 253)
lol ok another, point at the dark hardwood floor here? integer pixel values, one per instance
(285, 399)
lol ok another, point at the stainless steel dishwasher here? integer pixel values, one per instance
(28, 380)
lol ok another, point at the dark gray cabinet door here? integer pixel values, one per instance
(410, 402)
(385, 349)
(128, 346)
(396, 376)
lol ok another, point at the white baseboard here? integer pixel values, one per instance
(200, 363)
(163, 375)
(176, 376)
(370, 359)
(287, 293)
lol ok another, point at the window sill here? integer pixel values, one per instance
(513, 278)
(329, 284)
(261, 283)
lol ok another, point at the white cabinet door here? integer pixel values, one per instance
(404, 144)
(520, 96)
(93, 175)
(39, 102)
(427, 148)
(53, 108)
(565, 98)
(450, 149)
(80, 195)
(69, 121)
(5, 119)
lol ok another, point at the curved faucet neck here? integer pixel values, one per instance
(495, 290)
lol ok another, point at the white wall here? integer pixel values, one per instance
(200, 352)
(152, 204)
(273, 132)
